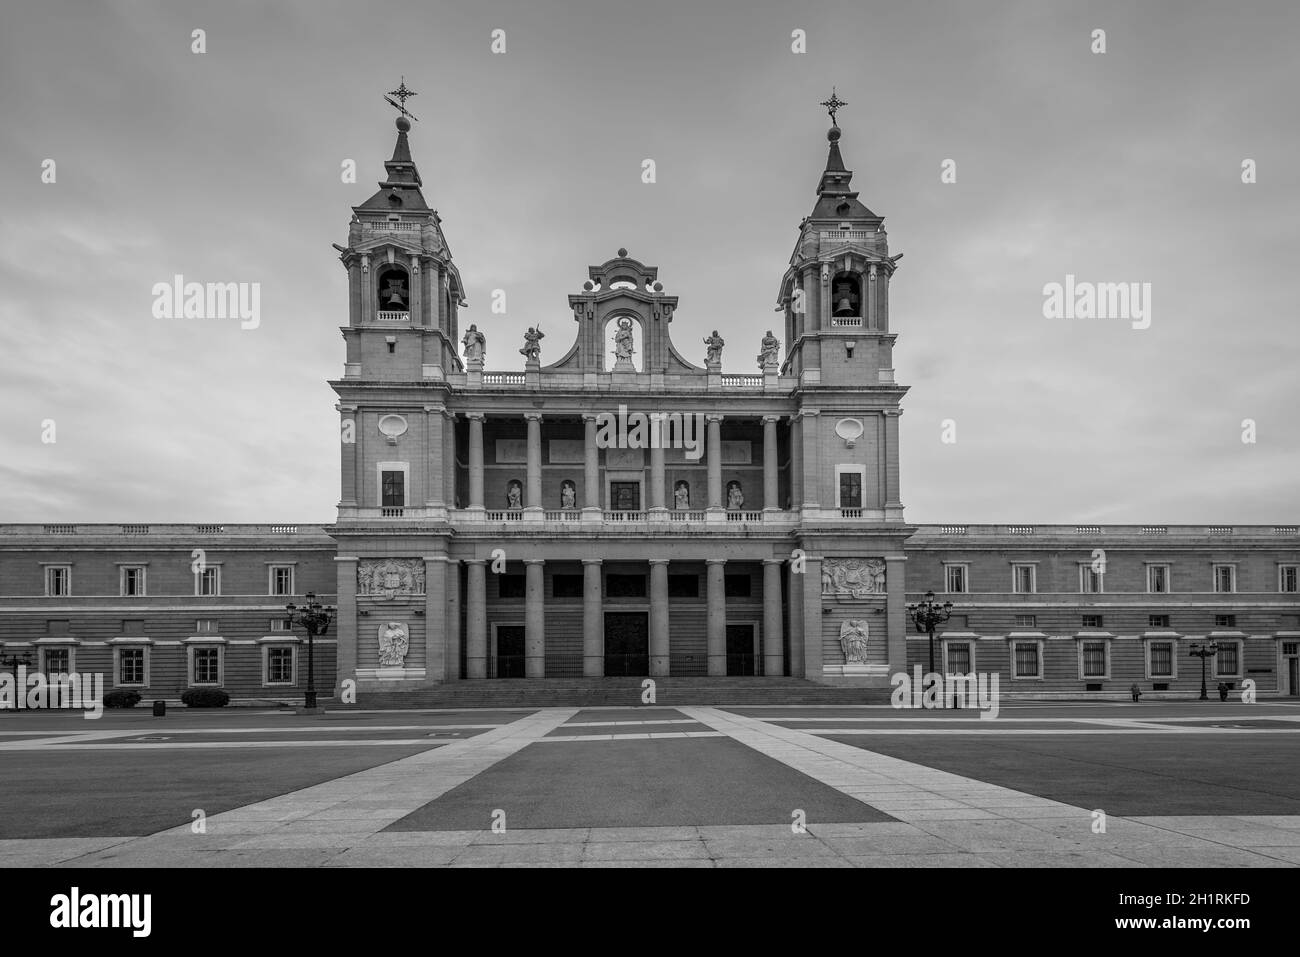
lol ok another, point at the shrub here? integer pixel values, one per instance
(205, 698)
(121, 698)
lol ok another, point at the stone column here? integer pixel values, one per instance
(812, 620)
(796, 462)
(591, 472)
(593, 621)
(659, 618)
(773, 654)
(896, 613)
(451, 618)
(534, 619)
(771, 485)
(345, 623)
(795, 582)
(476, 642)
(449, 459)
(657, 464)
(811, 459)
(349, 428)
(890, 454)
(435, 607)
(475, 459)
(716, 627)
(434, 496)
(714, 454)
(533, 501)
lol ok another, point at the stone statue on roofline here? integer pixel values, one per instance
(769, 351)
(532, 350)
(475, 344)
(715, 343)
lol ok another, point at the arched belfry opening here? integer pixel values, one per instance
(393, 293)
(846, 296)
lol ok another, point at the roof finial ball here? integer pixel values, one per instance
(403, 124)
(622, 253)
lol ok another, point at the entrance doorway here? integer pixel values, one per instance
(625, 496)
(510, 651)
(740, 650)
(1291, 666)
(627, 643)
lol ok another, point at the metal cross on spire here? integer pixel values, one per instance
(833, 104)
(403, 94)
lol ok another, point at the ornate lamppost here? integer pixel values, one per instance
(315, 618)
(13, 661)
(1203, 651)
(927, 614)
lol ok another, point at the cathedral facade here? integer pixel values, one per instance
(629, 509)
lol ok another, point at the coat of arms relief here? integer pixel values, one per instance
(389, 577)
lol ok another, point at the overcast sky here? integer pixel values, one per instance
(225, 166)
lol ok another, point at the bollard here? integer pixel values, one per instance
(160, 709)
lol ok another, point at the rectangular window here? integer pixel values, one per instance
(132, 581)
(1022, 579)
(959, 658)
(281, 624)
(1225, 621)
(1094, 659)
(1288, 578)
(1026, 621)
(683, 586)
(625, 586)
(279, 666)
(1291, 647)
(1089, 580)
(208, 581)
(282, 580)
(955, 578)
(206, 626)
(1092, 621)
(131, 666)
(1227, 661)
(394, 489)
(566, 586)
(58, 661)
(737, 586)
(1157, 621)
(1025, 654)
(1225, 578)
(58, 581)
(1158, 579)
(1162, 659)
(207, 663)
(850, 490)
(511, 586)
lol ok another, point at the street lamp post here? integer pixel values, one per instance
(315, 618)
(13, 661)
(926, 615)
(1204, 651)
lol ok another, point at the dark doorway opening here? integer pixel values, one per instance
(627, 643)
(625, 496)
(740, 650)
(510, 651)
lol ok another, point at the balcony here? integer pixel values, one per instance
(392, 316)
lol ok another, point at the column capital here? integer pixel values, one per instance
(713, 417)
(533, 415)
(474, 561)
(346, 558)
(476, 416)
(774, 561)
(447, 413)
(807, 413)
(437, 558)
(534, 561)
(591, 416)
(773, 418)
(715, 561)
(593, 561)
(657, 561)
(347, 408)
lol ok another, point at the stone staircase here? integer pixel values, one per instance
(615, 692)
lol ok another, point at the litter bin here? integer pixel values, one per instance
(160, 709)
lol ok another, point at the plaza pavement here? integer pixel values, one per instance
(660, 787)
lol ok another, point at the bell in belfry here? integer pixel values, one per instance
(846, 299)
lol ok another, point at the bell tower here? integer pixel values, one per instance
(835, 293)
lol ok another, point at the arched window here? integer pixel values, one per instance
(393, 294)
(846, 296)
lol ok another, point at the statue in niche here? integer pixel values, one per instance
(853, 641)
(715, 343)
(735, 497)
(515, 494)
(475, 344)
(394, 640)
(623, 347)
(568, 495)
(532, 350)
(681, 495)
(769, 351)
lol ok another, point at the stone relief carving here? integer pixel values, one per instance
(394, 640)
(854, 577)
(853, 641)
(390, 576)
